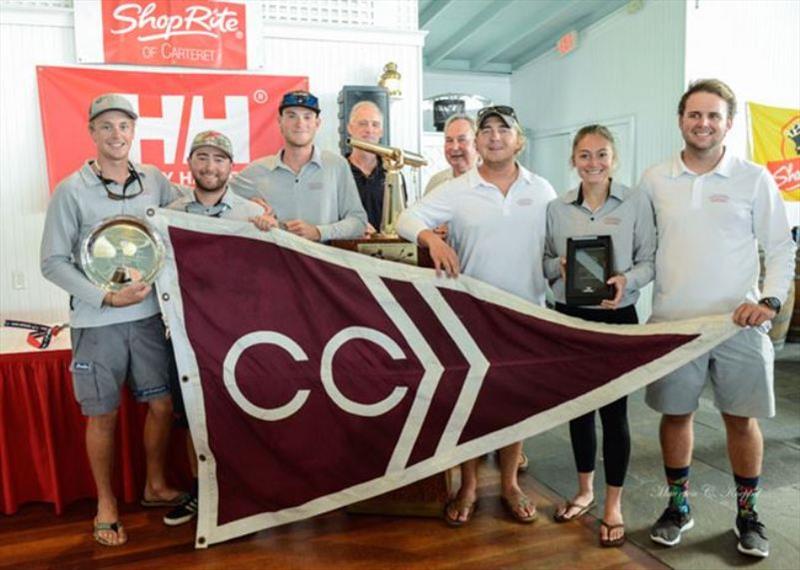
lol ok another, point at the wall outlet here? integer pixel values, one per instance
(18, 280)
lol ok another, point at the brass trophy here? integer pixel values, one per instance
(385, 244)
(121, 250)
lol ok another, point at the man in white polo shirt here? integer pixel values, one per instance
(712, 210)
(459, 149)
(497, 218)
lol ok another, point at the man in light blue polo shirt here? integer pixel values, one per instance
(311, 191)
(116, 336)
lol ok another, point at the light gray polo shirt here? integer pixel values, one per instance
(323, 193)
(238, 208)
(626, 216)
(79, 202)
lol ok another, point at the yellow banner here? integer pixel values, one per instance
(775, 143)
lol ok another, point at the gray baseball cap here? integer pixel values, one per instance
(111, 102)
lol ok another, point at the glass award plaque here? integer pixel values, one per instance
(588, 269)
(122, 250)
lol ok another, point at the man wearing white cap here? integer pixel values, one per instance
(115, 335)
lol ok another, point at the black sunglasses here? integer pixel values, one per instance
(495, 109)
(133, 176)
(299, 98)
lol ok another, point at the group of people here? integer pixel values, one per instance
(691, 226)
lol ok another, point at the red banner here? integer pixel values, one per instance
(172, 108)
(193, 33)
(327, 377)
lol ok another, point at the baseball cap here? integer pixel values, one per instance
(214, 139)
(111, 102)
(299, 99)
(504, 112)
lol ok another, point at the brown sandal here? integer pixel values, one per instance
(582, 510)
(522, 501)
(454, 502)
(612, 543)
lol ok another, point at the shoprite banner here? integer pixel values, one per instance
(172, 108)
(190, 33)
(775, 143)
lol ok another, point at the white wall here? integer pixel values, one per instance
(755, 48)
(42, 35)
(627, 65)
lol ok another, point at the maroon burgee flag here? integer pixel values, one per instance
(315, 377)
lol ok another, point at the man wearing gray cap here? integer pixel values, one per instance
(115, 335)
(497, 219)
(312, 191)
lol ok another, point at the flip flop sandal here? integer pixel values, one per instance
(609, 543)
(523, 464)
(115, 527)
(582, 510)
(471, 508)
(521, 502)
(156, 503)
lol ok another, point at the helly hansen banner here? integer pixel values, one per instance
(315, 378)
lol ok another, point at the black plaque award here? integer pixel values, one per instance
(588, 269)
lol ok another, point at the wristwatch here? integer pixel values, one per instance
(771, 303)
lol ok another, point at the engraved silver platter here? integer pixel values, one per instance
(122, 250)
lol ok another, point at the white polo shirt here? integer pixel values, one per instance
(499, 239)
(708, 228)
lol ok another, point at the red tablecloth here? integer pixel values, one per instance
(42, 447)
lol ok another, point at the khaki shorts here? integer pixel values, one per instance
(103, 358)
(741, 374)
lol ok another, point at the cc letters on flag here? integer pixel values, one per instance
(315, 378)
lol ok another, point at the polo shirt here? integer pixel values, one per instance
(709, 229)
(323, 193)
(370, 190)
(438, 179)
(626, 216)
(498, 239)
(79, 202)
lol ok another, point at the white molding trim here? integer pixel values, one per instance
(345, 35)
(39, 16)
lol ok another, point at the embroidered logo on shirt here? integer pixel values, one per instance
(81, 366)
(315, 186)
(612, 221)
(524, 202)
(719, 198)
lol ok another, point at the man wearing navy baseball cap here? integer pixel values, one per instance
(311, 191)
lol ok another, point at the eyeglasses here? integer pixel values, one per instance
(132, 176)
(214, 211)
(496, 109)
(301, 99)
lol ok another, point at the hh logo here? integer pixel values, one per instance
(172, 108)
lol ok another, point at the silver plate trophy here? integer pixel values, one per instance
(122, 250)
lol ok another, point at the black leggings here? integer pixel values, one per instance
(614, 416)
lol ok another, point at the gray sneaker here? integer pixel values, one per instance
(752, 537)
(669, 527)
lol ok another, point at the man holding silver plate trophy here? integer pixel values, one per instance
(98, 247)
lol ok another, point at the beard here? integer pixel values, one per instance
(203, 188)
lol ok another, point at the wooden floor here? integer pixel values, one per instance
(35, 538)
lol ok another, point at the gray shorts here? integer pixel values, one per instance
(104, 357)
(741, 374)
